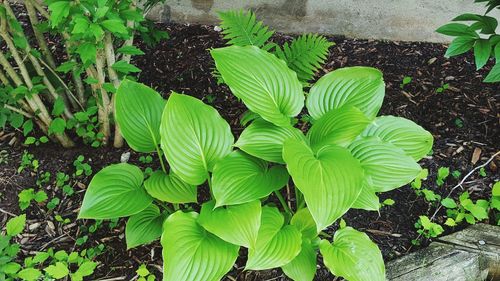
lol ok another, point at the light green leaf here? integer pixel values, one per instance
(66, 66)
(403, 133)
(494, 74)
(362, 87)
(58, 12)
(16, 225)
(170, 188)
(456, 29)
(115, 191)
(244, 220)
(353, 256)
(125, 67)
(337, 127)
(144, 227)
(130, 50)
(87, 52)
(277, 245)
(304, 222)
(29, 274)
(193, 137)
(115, 26)
(386, 165)
(57, 126)
(449, 203)
(241, 178)
(59, 107)
(138, 111)
(192, 253)
(496, 189)
(265, 140)
(460, 45)
(57, 271)
(330, 180)
(367, 200)
(81, 25)
(262, 81)
(482, 51)
(302, 267)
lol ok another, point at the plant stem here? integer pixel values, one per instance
(104, 106)
(283, 202)
(38, 34)
(161, 158)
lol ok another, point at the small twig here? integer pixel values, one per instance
(7, 212)
(113, 279)
(22, 112)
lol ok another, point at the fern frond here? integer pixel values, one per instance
(241, 28)
(305, 54)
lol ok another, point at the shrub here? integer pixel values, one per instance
(480, 35)
(97, 36)
(346, 158)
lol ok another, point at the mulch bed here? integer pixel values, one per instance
(463, 119)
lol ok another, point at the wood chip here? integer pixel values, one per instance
(476, 155)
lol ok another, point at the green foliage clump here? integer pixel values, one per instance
(479, 35)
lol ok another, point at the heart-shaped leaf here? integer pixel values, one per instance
(194, 137)
(359, 86)
(304, 222)
(367, 199)
(244, 220)
(262, 81)
(192, 253)
(386, 166)
(353, 256)
(265, 140)
(403, 133)
(337, 127)
(144, 227)
(115, 191)
(240, 178)
(330, 179)
(276, 245)
(138, 110)
(303, 266)
(170, 188)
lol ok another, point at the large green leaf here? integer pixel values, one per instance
(330, 179)
(244, 222)
(192, 253)
(367, 200)
(241, 178)
(276, 245)
(265, 140)
(386, 166)
(144, 227)
(138, 110)
(170, 188)
(115, 191)
(262, 81)
(403, 133)
(362, 87)
(303, 266)
(337, 127)
(353, 256)
(194, 137)
(304, 222)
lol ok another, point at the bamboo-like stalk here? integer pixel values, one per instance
(77, 79)
(38, 34)
(4, 78)
(130, 24)
(113, 77)
(101, 77)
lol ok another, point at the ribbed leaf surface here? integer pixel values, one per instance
(303, 266)
(403, 133)
(241, 178)
(191, 253)
(304, 222)
(138, 110)
(243, 219)
(337, 127)
(386, 166)
(144, 227)
(367, 200)
(330, 179)
(115, 191)
(353, 256)
(265, 140)
(194, 137)
(262, 81)
(170, 188)
(274, 250)
(362, 87)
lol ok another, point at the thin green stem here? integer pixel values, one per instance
(209, 181)
(176, 206)
(283, 202)
(160, 155)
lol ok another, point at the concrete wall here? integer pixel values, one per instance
(407, 20)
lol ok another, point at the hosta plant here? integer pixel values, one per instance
(275, 190)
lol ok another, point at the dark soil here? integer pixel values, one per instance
(463, 119)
